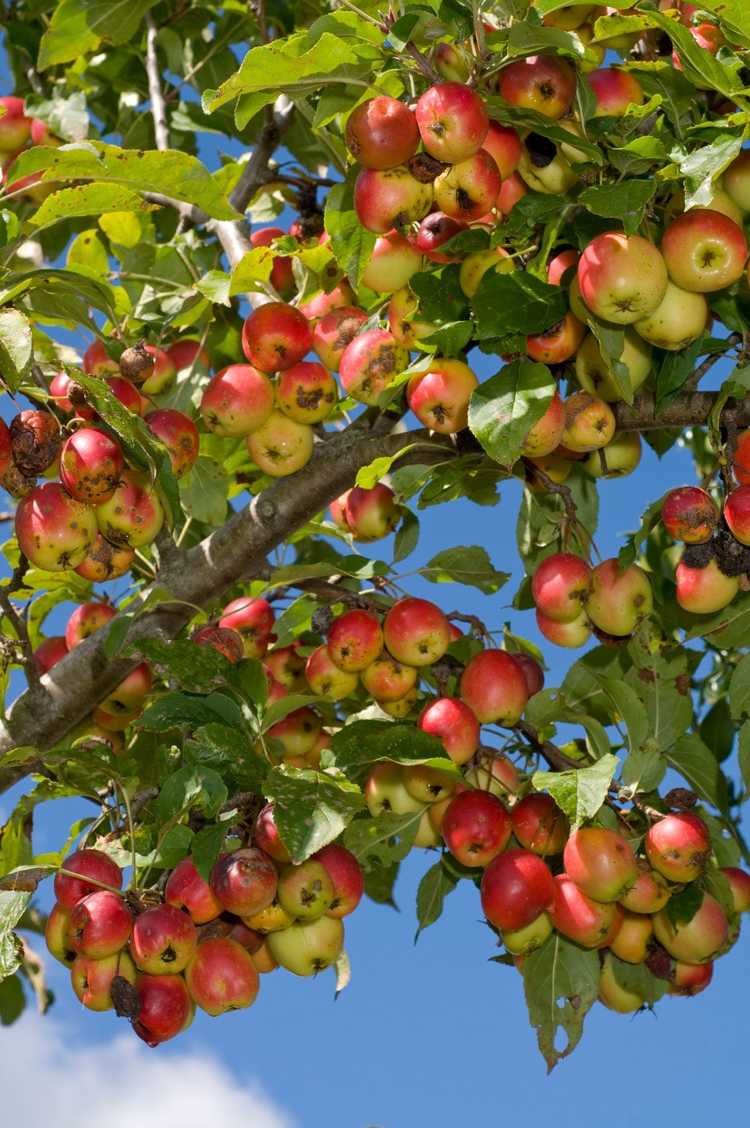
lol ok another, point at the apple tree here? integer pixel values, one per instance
(253, 260)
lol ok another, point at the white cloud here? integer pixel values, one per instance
(47, 1076)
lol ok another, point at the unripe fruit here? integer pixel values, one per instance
(698, 940)
(186, 889)
(524, 941)
(391, 198)
(221, 639)
(678, 320)
(385, 791)
(545, 435)
(163, 941)
(454, 724)
(428, 785)
(452, 121)
(517, 887)
(590, 923)
(618, 458)
(237, 401)
(601, 862)
(619, 599)
(633, 937)
(739, 884)
(369, 363)
(382, 133)
(452, 62)
(100, 925)
(88, 863)
(589, 423)
(347, 878)
(612, 994)
(326, 679)
(332, 333)
(57, 935)
(540, 82)
(571, 635)
(440, 396)
(308, 948)
(163, 373)
(416, 632)
(689, 514)
(679, 846)
(49, 653)
(85, 620)
(475, 266)
(179, 435)
(622, 277)
(267, 836)
(306, 891)
(539, 825)
(104, 561)
(385, 679)
(704, 251)
(403, 707)
(276, 336)
(244, 882)
(271, 919)
(560, 586)
(355, 640)
(54, 530)
(253, 620)
(222, 977)
(371, 514)
(690, 979)
(476, 827)
(280, 446)
(494, 688)
(165, 1008)
(133, 515)
(736, 180)
(392, 263)
(648, 893)
(703, 591)
(306, 392)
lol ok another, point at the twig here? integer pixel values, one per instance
(256, 171)
(554, 756)
(158, 105)
(18, 622)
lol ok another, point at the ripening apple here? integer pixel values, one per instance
(678, 846)
(570, 635)
(618, 458)
(689, 979)
(494, 687)
(346, 874)
(440, 396)
(186, 889)
(244, 881)
(704, 251)
(86, 620)
(504, 146)
(390, 198)
(355, 640)
(385, 791)
(543, 83)
(391, 263)
(371, 514)
(622, 278)
(539, 825)
(524, 941)
(306, 392)
(332, 333)
(56, 935)
(388, 680)
(590, 923)
(305, 891)
(221, 976)
(493, 772)
(703, 591)
(428, 785)
(54, 531)
(369, 363)
(91, 979)
(382, 133)
(453, 723)
(619, 598)
(614, 90)
(416, 632)
(613, 994)
(307, 948)
(517, 887)
(166, 1008)
(544, 168)
(601, 862)
(404, 322)
(695, 941)
(466, 191)
(589, 423)
(163, 941)
(280, 446)
(678, 320)
(649, 893)
(689, 514)
(561, 585)
(133, 515)
(739, 885)
(557, 344)
(476, 265)
(452, 121)
(544, 436)
(511, 191)
(100, 925)
(736, 180)
(97, 865)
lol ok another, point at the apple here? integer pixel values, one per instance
(678, 320)
(561, 585)
(572, 635)
(466, 191)
(280, 446)
(618, 458)
(369, 363)
(163, 941)
(517, 887)
(476, 827)
(275, 336)
(244, 882)
(504, 146)
(416, 632)
(622, 278)
(391, 264)
(186, 889)
(346, 875)
(695, 941)
(453, 723)
(494, 687)
(619, 598)
(307, 948)
(221, 976)
(703, 591)
(476, 265)
(557, 344)
(388, 680)
(97, 865)
(86, 620)
(439, 397)
(601, 862)
(575, 915)
(539, 82)
(305, 891)
(544, 436)
(371, 514)
(306, 392)
(589, 423)
(385, 791)
(390, 198)
(736, 180)
(704, 251)
(91, 979)
(165, 1008)
(333, 332)
(382, 133)
(54, 531)
(452, 121)
(355, 640)
(614, 90)
(100, 925)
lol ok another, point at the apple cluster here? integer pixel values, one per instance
(573, 599)
(17, 131)
(155, 958)
(715, 556)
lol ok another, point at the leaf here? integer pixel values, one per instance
(690, 757)
(561, 984)
(176, 710)
(379, 883)
(16, 349)
(77, 27)
(466, 565)
(675, 370)
(626, 201)
(701, 167)
(351, 244)
(516, 303)
(504, 408)
(407, 536)
(739, 689)
(684, 904)
(228, 752)
(434, 887)
(182, 662)
(744, 754)
(206, 847)
(310, 809)
(359, 745)
(580, 792)
(698, 65)
(627, 704)
(12, 908)
(12, 1000)
(170, 173)
(383, 840)
(638, 979)
(717, 731)
(192, 786)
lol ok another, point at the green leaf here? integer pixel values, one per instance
(561, 983)
(171, 173)
(580, 792)
(701, 167)
(434, 887)
(468, 565)
(684, 904)
(383, 840)
(12, 908)
(192, 786)
(516, 303)
(626, 202)
(504, 408)
(380, 881)
(228, 752)
(744, 754)
(717, 731)
(12, 1000)
(77, 28)
(176, 710)
(739, 689)
(16, 349)
(206, 847)
(675, 370)
(531, 121)
(698, 65)
(198, 669)
(351, 244)
(638, 979)
(359, 745)
(310, 809)
(407, 536)
(690, 757)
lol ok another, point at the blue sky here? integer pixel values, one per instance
(433, 1034)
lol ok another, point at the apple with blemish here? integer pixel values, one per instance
(275, 336)
(280, 446)
(371, 514)
(328, 680)
(165, 1008)
(54, 531)
(85, 620)
(382, 133)
(539, 825)
(601, 862)
(179, 435)
(369, 363)
(539, 82)
(561, 585)
(244, 882)
(703, 591)
(237, 401)
(698, 940)
(223, 640)
(387, 679)
(440, 396)
(133, 514)
(307, 948)
(91, 979)
(390, 198)
(678, 846)
(622, 278)
(476, 827)
(253, 620)
(105, 561)
(385, 791)
(100, 924)
(186, 889)
(589, 423)
(452, 121)
(332, 333)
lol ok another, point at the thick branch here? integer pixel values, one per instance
(158, 105)
(691, 410)
(198, 577)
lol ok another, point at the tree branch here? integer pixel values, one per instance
(158, 105)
